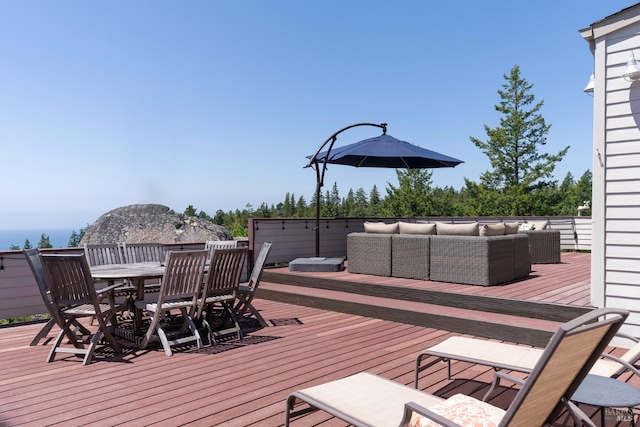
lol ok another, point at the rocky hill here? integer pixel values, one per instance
(151, 224)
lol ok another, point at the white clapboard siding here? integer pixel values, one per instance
(619, 133)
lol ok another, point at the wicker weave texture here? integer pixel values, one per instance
(521, 256)
(410, 256)
(369, 253)
(544, 246)
(483, 261)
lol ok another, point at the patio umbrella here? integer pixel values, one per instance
(383, 151)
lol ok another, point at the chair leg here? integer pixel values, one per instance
(212, 340)
(164, 341)
(43, 332)
(494, 384)
(245, 304)
(150, 331)
(194, 330)
(229, 309)
(103, 329)
(92, 346)
(258, 316)
(65, 331)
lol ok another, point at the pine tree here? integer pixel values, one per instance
(518, 167)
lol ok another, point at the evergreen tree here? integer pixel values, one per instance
(287, 208)
(190, 211)
(27, 244)
(360, 203)
(302, 210)
(75, 238)
(375, 203)
(412, 196)
(512, 148)
(44, 242)
(349, 204)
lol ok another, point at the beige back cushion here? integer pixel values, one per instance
(380, 227)
(511, 227)
(492, 229)
(414, 228)
(457, 229)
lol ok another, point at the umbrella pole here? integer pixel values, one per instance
(318, 187)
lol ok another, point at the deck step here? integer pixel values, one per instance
(370, 285)
(507, 327)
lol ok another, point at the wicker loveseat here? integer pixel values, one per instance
(474, 260)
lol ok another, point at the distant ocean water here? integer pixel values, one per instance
(59, 238)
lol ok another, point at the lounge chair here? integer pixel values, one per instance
(502, 356)
(369, 400)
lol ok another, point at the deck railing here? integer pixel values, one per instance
(295, 238)
(291, 238)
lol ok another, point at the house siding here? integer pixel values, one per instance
(615, 268)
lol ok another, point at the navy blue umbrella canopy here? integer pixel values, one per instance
(385, 151)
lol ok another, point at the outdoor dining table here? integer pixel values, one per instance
(137, 273)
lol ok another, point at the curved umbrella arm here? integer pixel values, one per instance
(332, 139)
(320, 173)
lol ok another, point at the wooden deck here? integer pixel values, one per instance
(241, 383)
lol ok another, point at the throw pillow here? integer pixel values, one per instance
(525, 226)
(413, 228)
(445, 229)
(380, 227)
(492, 229)
(463, 410)
(539, 225)
(510, 227)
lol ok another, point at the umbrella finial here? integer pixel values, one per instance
(384, 128)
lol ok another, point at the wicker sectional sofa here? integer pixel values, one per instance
(473, 260)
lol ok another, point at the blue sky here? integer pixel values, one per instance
(217, 103)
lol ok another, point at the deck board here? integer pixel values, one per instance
(240, 383)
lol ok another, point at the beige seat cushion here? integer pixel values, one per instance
(445, 229)
(416, 228)
(380, 227)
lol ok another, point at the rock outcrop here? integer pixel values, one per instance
(151, 224)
